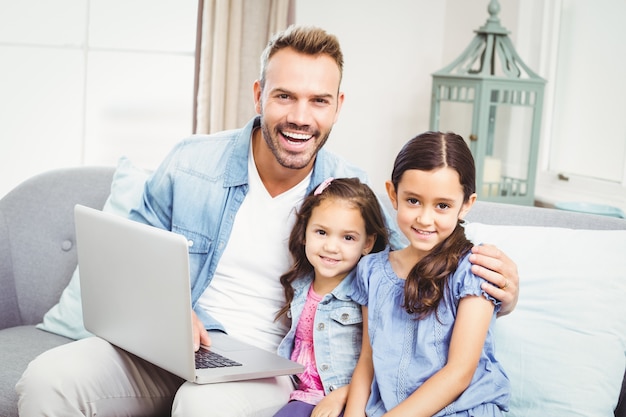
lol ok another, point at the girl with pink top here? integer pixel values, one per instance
(336, 225)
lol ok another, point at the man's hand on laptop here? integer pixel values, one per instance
(200, 335)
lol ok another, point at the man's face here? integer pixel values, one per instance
(299, 105)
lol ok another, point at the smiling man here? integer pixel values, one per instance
(233, 194)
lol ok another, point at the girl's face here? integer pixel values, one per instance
(429, 204)
(335, 239)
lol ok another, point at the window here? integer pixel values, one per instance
(87, 81)
(584, 156)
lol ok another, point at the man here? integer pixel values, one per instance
(232, 195)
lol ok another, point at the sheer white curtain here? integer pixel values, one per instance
(232, 36)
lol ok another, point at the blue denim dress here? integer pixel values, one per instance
(406, 351)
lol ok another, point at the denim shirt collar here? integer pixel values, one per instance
(321, 171)
(237, 170)
(343, 291)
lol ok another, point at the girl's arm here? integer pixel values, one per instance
(362, 377)
(468, 338)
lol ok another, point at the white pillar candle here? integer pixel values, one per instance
(492, 172)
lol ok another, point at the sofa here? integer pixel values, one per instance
(540, 345)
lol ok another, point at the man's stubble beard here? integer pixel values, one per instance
(282, 156)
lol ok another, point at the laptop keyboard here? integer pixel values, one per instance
(208, 359)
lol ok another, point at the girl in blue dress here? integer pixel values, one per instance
(428, 346)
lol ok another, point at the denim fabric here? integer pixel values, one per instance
(406, 351)
(197, 190)
(337, 331)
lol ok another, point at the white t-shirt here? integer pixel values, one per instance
(245, 293)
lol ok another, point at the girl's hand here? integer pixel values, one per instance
(332, 404)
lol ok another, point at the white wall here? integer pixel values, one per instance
(391, 48)
(386, 81)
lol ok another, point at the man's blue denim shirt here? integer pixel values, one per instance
(199, 187)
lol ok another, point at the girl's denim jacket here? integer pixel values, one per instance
(337, 331)
(197, 190)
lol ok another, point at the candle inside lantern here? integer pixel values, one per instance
(492, 172)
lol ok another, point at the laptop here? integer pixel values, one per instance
(135, 291)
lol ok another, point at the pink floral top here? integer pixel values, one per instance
(310, 389)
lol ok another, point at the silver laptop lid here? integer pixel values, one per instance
(124, 275)
(136, 294)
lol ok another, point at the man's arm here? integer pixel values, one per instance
(492, 264)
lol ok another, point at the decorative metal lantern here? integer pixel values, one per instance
(491, 98)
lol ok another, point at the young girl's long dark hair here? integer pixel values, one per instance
(426, 282)
(348, 189)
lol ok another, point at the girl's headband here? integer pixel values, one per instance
(324, 185)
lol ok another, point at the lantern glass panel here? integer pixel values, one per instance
(456, 117)
(507, 151)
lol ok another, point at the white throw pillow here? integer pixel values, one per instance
(66, 317)
(563, 347)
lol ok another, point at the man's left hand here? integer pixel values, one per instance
(493, 265)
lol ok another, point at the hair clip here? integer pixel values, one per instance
(324, 185)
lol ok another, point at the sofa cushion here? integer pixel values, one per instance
(66, 317)
(563, 347)
(19, 346)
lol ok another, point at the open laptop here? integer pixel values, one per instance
(135, 291)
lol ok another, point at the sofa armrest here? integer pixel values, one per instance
(37, 238)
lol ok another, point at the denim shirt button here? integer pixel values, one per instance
(324, 367)
(345, 317)
(190, 243)
(320, 326)
(331, 388)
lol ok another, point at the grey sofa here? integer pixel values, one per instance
(38, 257)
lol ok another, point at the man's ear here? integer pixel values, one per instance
(391, 192)
(340, 98)
(257, 96)
(467, 206)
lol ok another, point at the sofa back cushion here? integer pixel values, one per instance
(66, 317)
(563, 346)
(9, 312)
